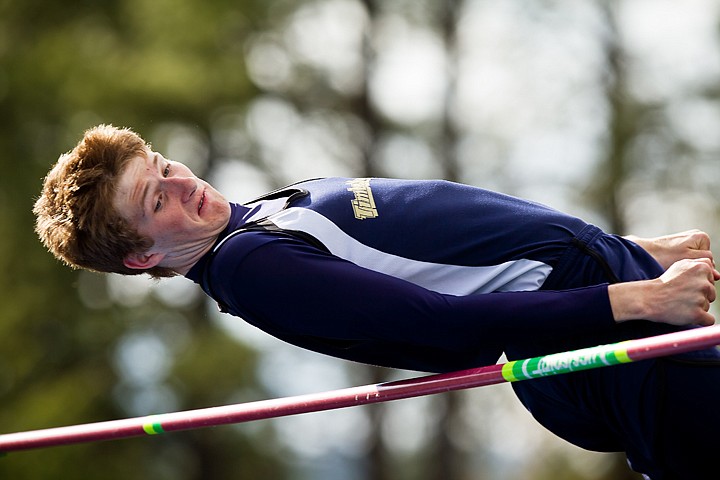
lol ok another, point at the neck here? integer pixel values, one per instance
(184, 259)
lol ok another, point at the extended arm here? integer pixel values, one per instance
(315, 300)
(321, 289)
(291, 289)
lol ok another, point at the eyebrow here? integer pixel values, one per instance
(146, 188)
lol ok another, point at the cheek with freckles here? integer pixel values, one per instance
(167, 230)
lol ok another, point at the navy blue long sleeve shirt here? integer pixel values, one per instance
(422, 275)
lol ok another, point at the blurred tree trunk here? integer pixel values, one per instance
(378, 459)
(623, 127)
(442, 460)
(449, 136)
(363, 106)
(447, 462)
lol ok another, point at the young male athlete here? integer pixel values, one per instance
(423, 275)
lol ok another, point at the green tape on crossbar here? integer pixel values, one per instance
(566, 362)
(153, 428)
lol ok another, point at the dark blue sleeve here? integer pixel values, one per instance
(292, 289)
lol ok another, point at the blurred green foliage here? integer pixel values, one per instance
(63, 67)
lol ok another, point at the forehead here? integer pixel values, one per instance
(129, 186)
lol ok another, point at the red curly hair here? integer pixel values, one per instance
(75, 217)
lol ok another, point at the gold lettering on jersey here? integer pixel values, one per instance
(364, 204)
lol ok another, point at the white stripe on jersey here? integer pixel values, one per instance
(518, 275)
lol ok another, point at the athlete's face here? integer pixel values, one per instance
(165, 201)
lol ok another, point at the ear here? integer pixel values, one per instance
(142, 261)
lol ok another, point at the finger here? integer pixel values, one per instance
(698, 254)
(712, 274)
(699, 239)
(712, 295)
(706, 320)
(703, 240)
(705, 263)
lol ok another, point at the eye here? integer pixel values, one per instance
(166, 170)
(158, 204)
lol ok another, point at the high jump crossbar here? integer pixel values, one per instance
(554, 364)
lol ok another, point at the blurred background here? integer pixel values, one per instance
(609, 110)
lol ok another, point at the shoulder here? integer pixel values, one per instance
(260, 248)
(251, 268)
(239, 261)
(237, 245)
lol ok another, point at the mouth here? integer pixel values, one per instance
(202, 201)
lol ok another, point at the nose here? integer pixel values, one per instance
(183, 187)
